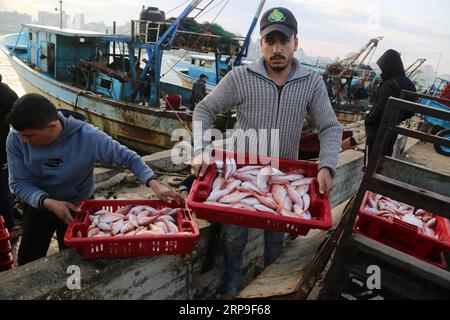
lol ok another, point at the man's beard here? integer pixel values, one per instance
(279, 68)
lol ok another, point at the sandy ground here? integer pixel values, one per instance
(425, 155)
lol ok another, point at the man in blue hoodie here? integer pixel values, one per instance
(51, 164)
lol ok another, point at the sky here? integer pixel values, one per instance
(328, 28)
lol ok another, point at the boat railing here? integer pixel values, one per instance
(147, 32)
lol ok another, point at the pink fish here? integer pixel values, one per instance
(279, 195)
(233, 184)
(234, 197)
(219, 184)
(301, 182)
(244, 177)
(295, 196)
(288, 213)
(250, 201)
(126, 228)
(116, 227)
(216, 195)
(263, 208)
(124, 210)
(262, 179)
(93, 231)
(302, 190)
(287, 204)
(266, 201)
(306, 202)
(171, 227)
(104, 226)
(162, 226)
(145, 221)
(285, 179)
(298, 209)
(111, 217)
(248, 168)
(133, 220)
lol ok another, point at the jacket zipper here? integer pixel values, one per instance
(280, 92)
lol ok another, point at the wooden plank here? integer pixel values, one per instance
(406, 93)
(285, 275)
(422, 136)
(400, 104)
(416, 175)
(402, 260)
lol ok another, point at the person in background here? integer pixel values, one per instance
(394, 81)
(198, 90)
(7, 99)
(51, 165)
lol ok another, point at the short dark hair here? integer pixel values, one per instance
(32, 111)
(203, 76)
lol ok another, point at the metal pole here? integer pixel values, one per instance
(60, 14)
(114, 43)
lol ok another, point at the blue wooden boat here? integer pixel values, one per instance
(115, 80)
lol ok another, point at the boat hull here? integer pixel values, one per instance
(142, 128)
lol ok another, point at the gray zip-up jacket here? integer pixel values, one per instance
(260, 105)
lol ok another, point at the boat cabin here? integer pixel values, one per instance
(80, 58)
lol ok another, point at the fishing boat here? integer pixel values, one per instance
(115, 80)
(189, 70)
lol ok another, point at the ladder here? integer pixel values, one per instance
(402, 276)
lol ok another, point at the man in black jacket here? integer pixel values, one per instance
(198, 90)
(7, 99)
(394, 81)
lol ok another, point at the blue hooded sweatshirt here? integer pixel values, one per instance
(64, 170)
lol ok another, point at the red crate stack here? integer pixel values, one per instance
(129, 246)
(405, 237)
(6, 258)
(320, 206)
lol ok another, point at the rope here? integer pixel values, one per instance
(177, 7)
(198, 39)
(17, 41)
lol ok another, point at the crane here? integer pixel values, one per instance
(348, 63)
(413, 68)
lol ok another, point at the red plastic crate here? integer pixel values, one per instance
(5, 244)
(7, 264)
(320, 206)
(404, 236)
(129, 246)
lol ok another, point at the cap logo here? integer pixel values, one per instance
(276, 16)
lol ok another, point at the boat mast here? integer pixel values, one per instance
(246, 45)
(154, 53)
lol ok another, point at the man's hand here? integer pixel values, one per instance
(184, 194)
(325, 180)
(200, 163)
(165, 194)
(61, 209)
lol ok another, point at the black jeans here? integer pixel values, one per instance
(38, 229)
(6, 202)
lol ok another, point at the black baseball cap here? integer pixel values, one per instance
(278, 19)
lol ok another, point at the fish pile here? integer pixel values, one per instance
(388, 208)
(261, 188)
(134, 221)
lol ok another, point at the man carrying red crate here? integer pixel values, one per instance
(51, 164)
(271, 97)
